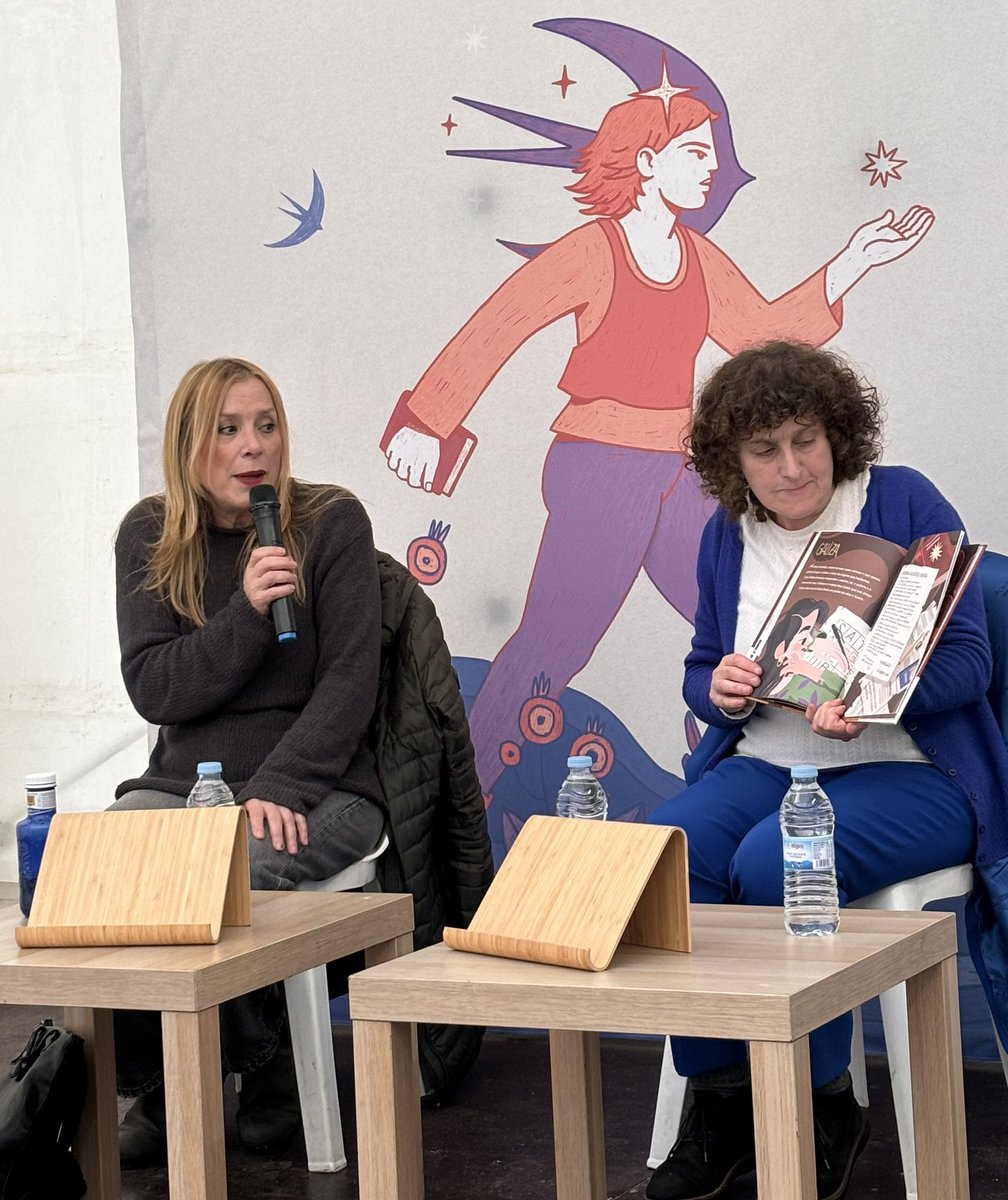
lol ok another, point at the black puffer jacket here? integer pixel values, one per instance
(440, 848)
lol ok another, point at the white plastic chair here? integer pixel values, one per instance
(311, 1034)
(909, 896)
(912, 895)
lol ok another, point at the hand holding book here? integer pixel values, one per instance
(420, 456)
(857, 620)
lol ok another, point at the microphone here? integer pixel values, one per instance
(265, 508)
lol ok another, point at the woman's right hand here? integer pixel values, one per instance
(270, 575)
(733, 681)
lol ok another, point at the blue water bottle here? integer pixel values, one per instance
(32, 832)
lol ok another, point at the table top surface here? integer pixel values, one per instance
(290, 932)
(745, 977)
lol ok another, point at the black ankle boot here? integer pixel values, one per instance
(269, 1112)
(143, 1136)
(715, 1146)
(841, 1132)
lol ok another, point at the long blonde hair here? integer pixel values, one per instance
(179, 556)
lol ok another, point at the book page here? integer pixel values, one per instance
(902, 623)
(904, 631)
(809, 644)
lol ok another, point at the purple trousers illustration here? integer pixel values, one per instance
(611, 512)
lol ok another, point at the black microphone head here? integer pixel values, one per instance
(263, 493)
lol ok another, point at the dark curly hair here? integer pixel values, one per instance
(762, 388)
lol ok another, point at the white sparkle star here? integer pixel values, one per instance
(664, 91)
(475, 39)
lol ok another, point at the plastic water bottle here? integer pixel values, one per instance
(810, 886)
(31, 833)
(582, 795)
(209, 790)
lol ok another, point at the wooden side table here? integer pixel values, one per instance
(290, 932)
(745, 978)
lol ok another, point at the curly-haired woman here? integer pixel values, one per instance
(785, 438)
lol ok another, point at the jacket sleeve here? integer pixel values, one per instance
(461, 835)
(708, 646)
(173, 672)
(300, 769)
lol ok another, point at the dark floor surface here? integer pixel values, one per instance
(494, 1140)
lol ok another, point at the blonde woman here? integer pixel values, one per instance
(201, 660)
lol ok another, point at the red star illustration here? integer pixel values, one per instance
(883, 164)
(449, 125)
(563, 83)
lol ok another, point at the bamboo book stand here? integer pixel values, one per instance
(151, 877)
(570, 891)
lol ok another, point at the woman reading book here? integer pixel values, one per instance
(786, 438)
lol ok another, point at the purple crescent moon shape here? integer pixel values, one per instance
(639, 57)
(309, 219)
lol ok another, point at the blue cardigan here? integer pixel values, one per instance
(948, 717)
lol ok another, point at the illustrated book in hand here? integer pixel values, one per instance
(858, 619)
(455, 449)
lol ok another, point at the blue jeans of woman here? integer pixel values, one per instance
(894, 820)
(341, 830)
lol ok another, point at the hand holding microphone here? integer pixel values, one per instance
(264, 568)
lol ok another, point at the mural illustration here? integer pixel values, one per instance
(646, 287)
(309, 219)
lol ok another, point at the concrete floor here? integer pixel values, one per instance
(494, 1139)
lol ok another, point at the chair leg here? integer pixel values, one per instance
(897, 1042)
(311, 1040)
(858, 1073)
(1001, 1052)
(668, 1109)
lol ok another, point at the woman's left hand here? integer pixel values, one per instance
(828, 721)
(286, 827)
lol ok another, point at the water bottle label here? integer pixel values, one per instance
(808, 854)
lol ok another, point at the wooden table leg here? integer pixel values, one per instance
(195, 1105)
(936, 1076)
(782, 1104)
(385, 951)
(389, 1147)
(97, 1142)
(576, 1075)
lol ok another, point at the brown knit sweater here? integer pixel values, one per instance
(288, 722)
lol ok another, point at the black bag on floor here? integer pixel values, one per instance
(41, 1101)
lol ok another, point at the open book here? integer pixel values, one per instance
(455, 448)
(857, 620)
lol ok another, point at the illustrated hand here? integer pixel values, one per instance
(414, 457)
(828, 721)
(885, 239)
(271, 573)
(286, 828)
(732, 682)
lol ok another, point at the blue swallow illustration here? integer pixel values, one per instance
(309, 219)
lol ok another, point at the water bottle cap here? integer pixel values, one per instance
(805, 771)
(40, 781)
(580, 760)
(209, 768)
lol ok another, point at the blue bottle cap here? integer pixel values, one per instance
(580, 760)
(290, 636)
(209, 768)
(805, 771)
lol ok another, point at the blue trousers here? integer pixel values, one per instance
(894, 820)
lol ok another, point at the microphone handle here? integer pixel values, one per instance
(282, 610)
